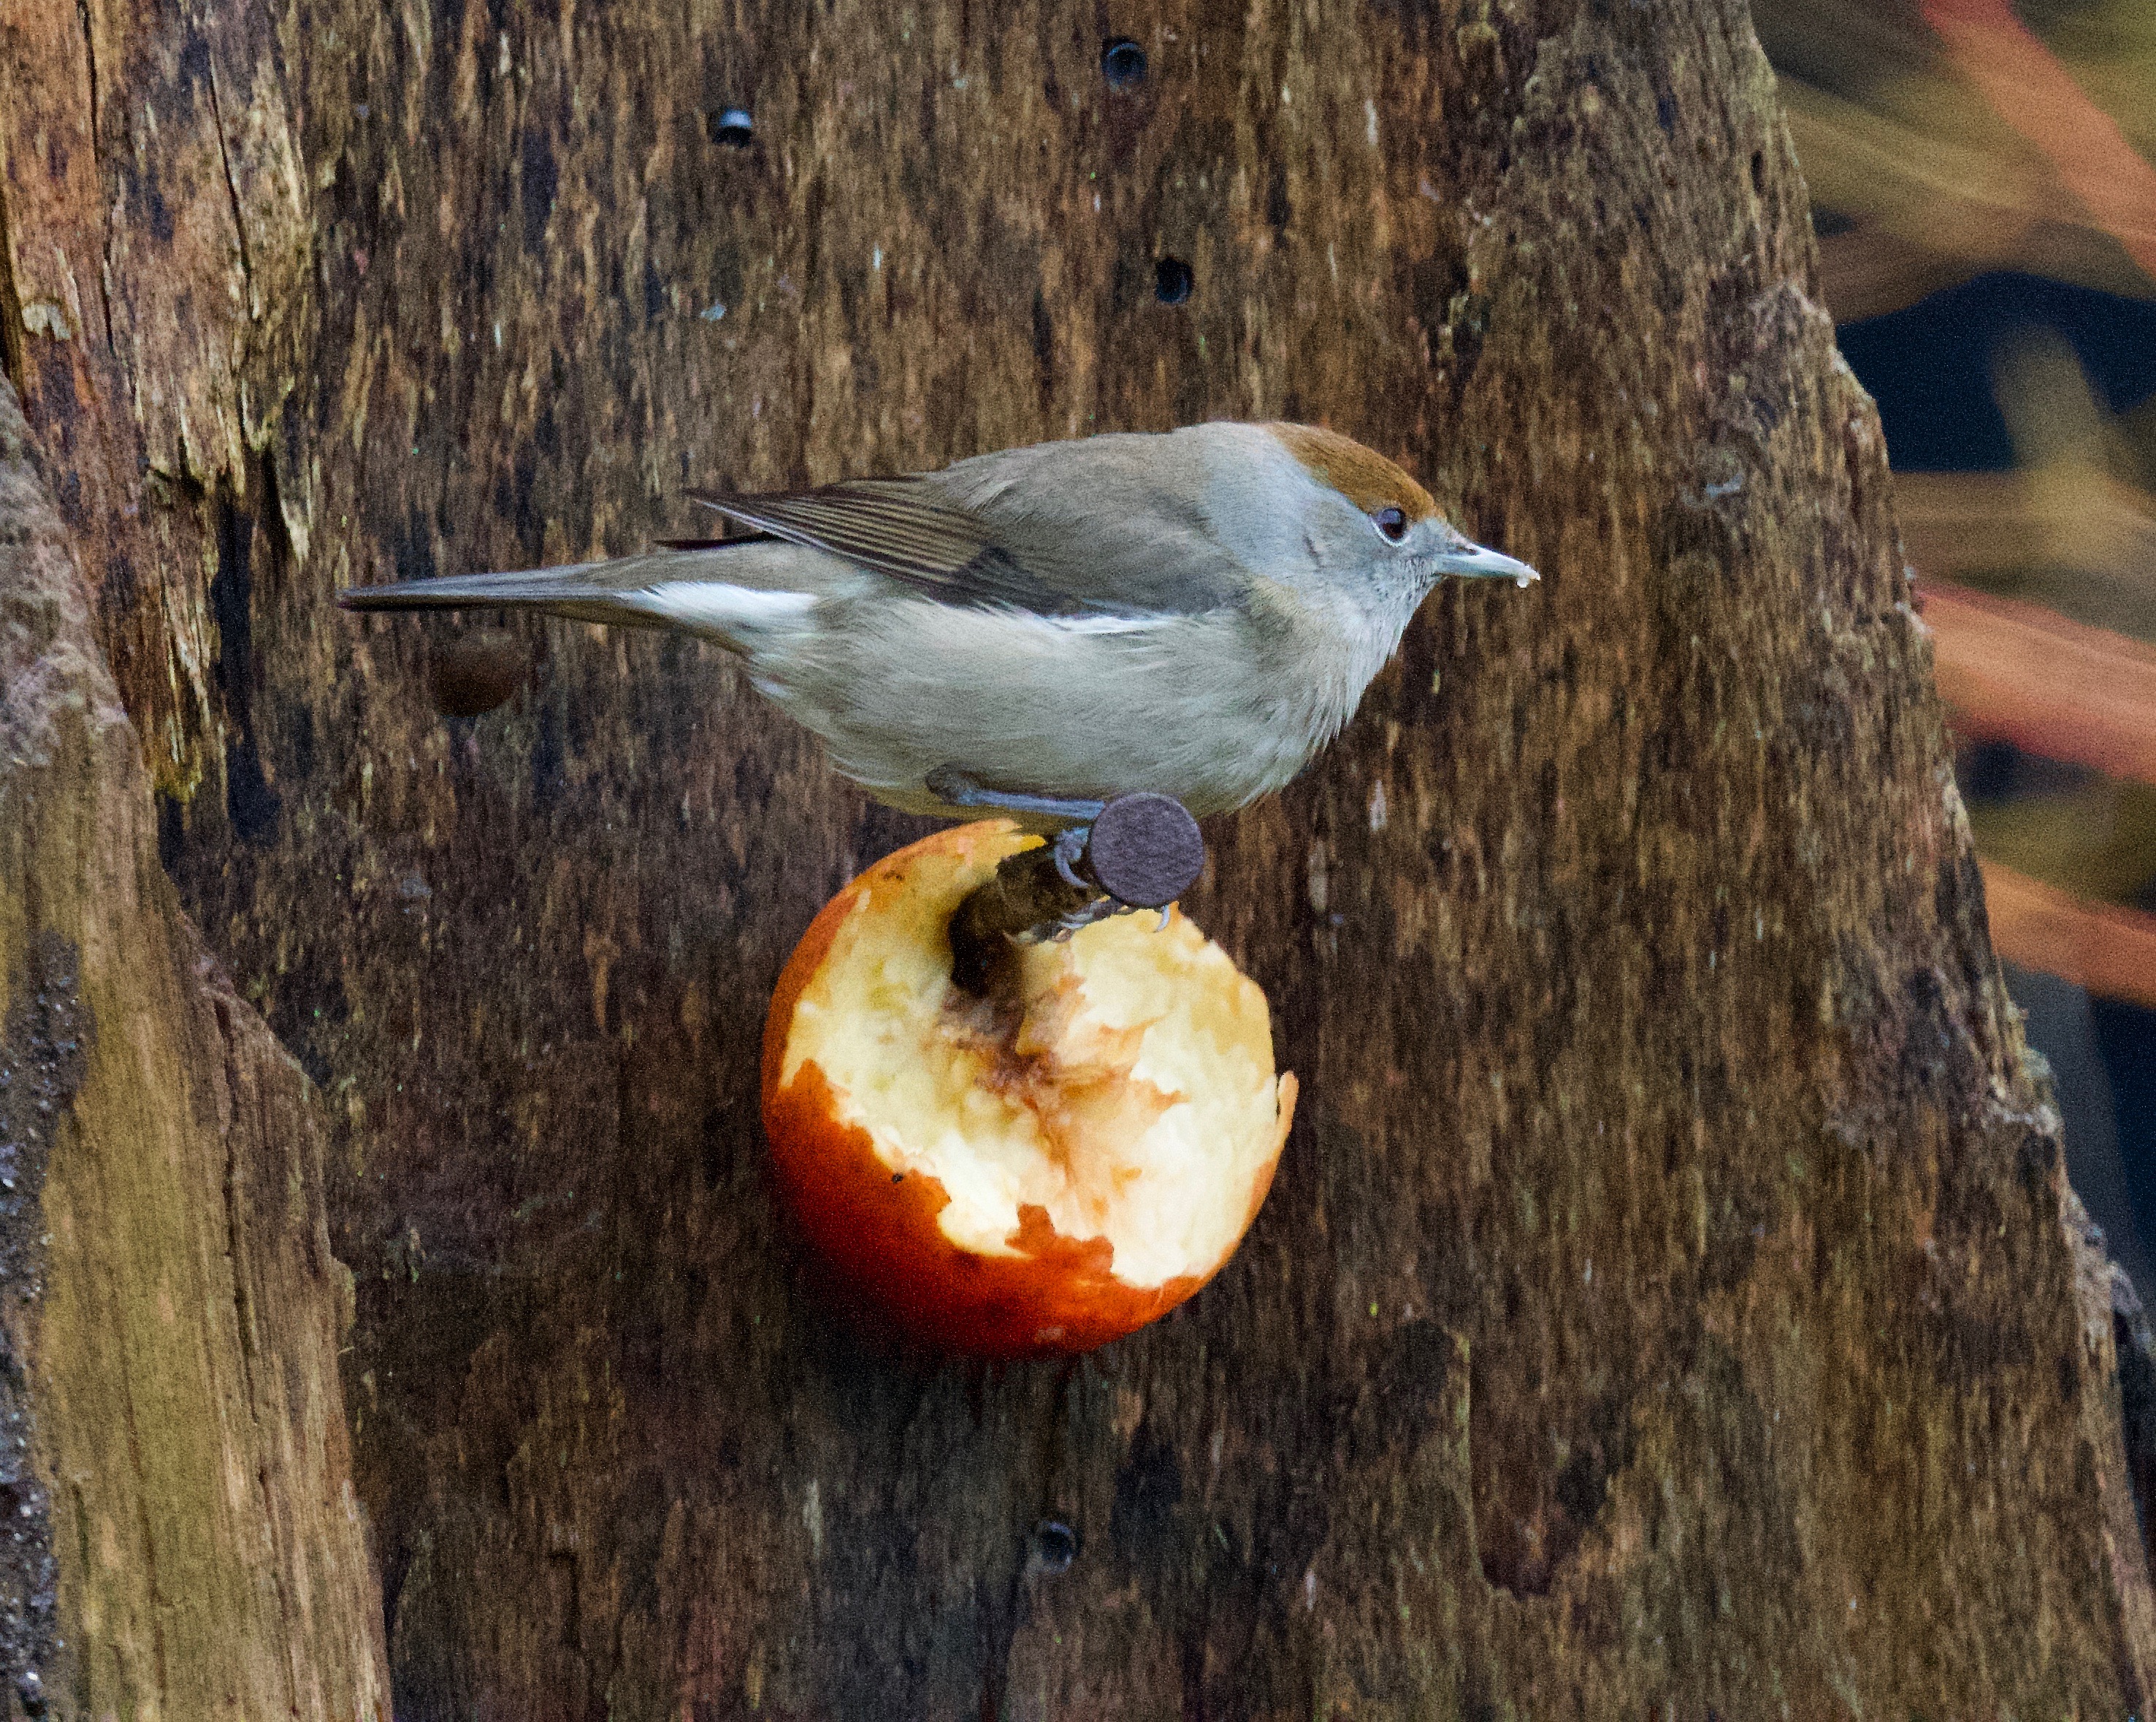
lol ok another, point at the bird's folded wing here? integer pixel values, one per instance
(900, 528)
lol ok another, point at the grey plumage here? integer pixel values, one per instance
(1194, 613)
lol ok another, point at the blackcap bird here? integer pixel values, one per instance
(1195, 612)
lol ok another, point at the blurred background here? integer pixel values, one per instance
(1982, 182)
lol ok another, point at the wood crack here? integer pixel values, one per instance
(97, 159)
(151, 1584)
(232, 191)
(280, 1556)
(12, 355)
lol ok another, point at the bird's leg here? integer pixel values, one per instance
(961, 791)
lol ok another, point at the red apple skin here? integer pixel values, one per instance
(878, 1235)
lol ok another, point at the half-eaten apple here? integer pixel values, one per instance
(1022, 1175)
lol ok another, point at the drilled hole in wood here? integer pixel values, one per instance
(1054, 1546)
(1172, 280)
(476, 670)
(1123, 63)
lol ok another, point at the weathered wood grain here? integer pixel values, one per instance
(177, 1480)
(1663, 1307)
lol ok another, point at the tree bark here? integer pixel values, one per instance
(185, 1540)
(1665, 1306)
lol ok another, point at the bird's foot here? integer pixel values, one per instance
(1064, 927)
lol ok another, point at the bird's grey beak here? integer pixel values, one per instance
(1477, 563)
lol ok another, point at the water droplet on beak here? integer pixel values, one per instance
(1524, 581)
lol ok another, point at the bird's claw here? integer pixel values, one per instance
(1060, 931)
(1068, 850)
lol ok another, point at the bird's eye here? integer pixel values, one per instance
(1391, 523)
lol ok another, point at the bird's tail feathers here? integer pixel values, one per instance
(687, 588)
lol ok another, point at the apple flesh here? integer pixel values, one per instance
(1022, 1176)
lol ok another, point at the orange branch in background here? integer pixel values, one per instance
(2017, 673)
(2034, 93)
(2059, 517)
(2109, 951)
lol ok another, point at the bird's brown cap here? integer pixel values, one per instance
(1366, 479)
